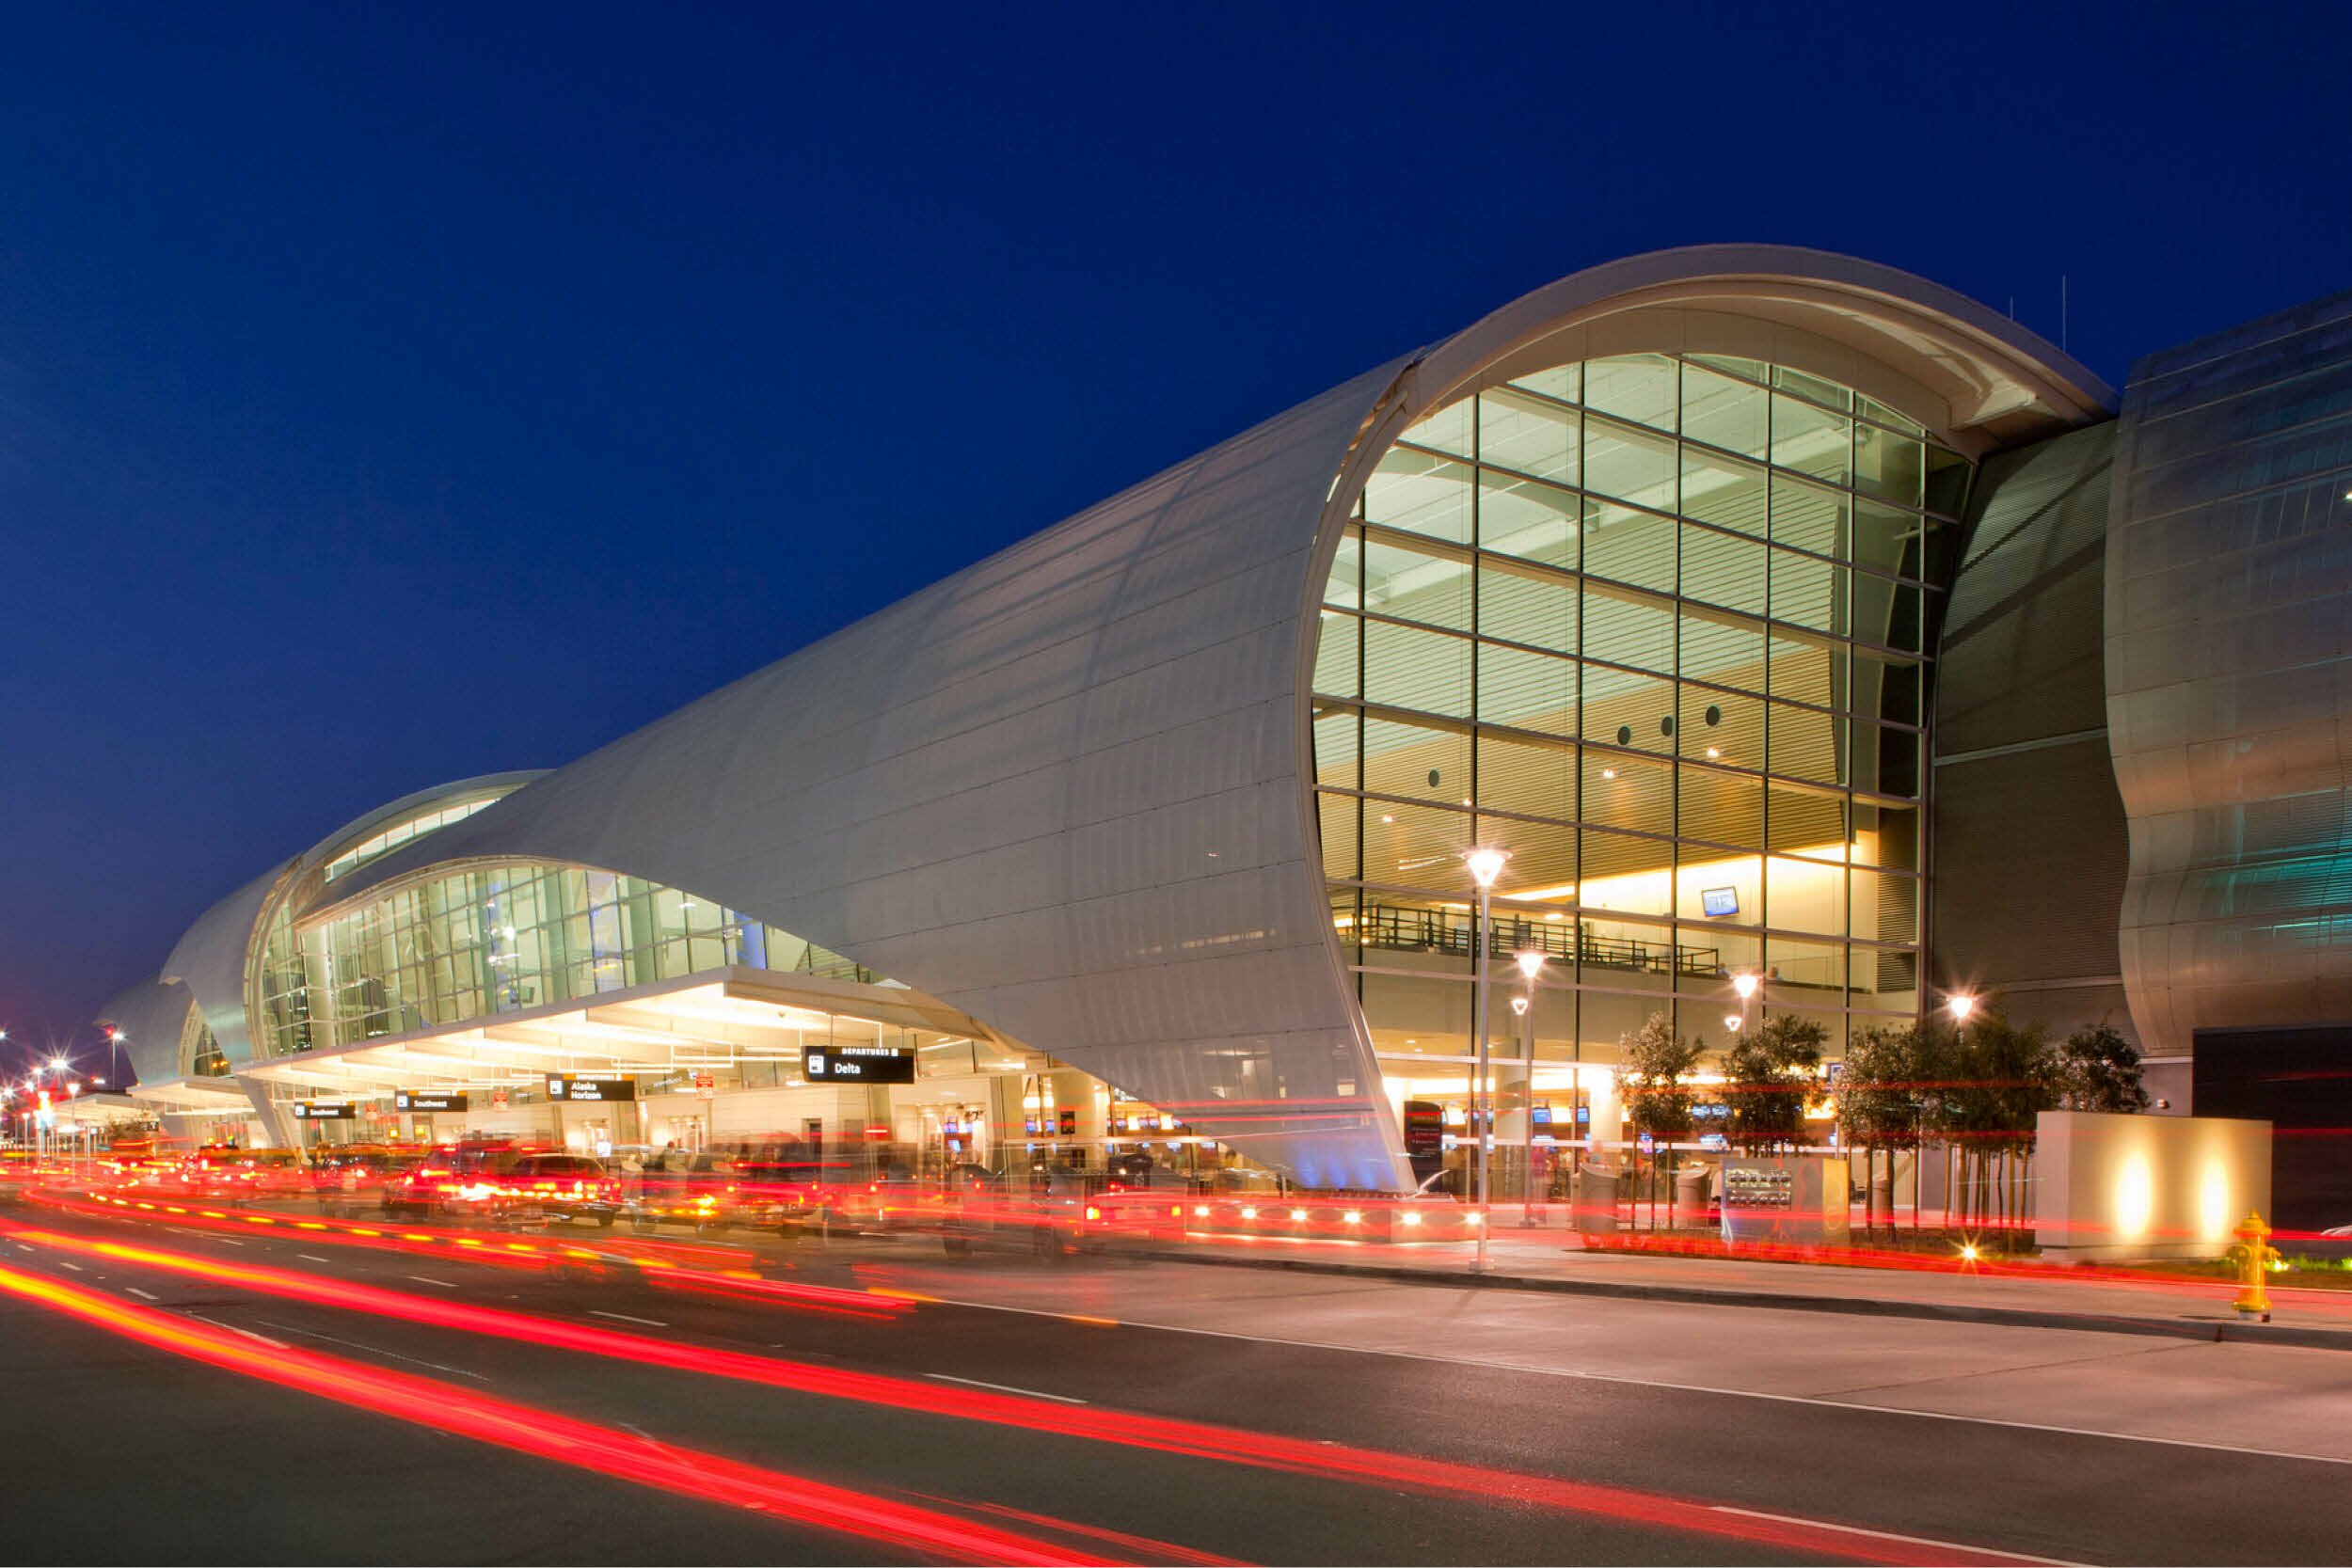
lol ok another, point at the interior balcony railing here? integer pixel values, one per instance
(1401, 929)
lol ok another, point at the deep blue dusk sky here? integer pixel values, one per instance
(395, 393)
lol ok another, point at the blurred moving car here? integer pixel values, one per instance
(1047, 1211)
(232, 1175)
(772, 1184)
(353, 1176)
(451, 1179)
(557, 1186)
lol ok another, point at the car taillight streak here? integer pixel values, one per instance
(527, 1429)
(1160, 1433)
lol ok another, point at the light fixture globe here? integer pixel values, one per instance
(1485, 865)
(1531, 963)
(1961, 1005)
(1746, 984)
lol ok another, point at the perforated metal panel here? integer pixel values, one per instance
(2229, 611)
(2029, 843)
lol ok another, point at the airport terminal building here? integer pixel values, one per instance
(1782, 615)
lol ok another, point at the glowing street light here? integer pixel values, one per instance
(1485, 865)
(1744, 985)
(1531, 963)
(1961, 1005)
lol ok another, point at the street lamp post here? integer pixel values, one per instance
(1961, 1006)
(1530, 964)
(1484, 866)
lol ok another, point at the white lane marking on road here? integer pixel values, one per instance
(273, 1344)
(376, 1350)
(1686, 1387)
(21, 1248)
(622, 1316)
(228, 1241)
(428, 1280)
(142, 1294)
(64, 1263)
(315, 1257)
(1890, 1535)
(1003, 1388)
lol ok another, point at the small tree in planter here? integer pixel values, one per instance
(1651, 1064)
(1994, 1078)
(1882, 1104)
(2098, 1069)
(1772, 1068)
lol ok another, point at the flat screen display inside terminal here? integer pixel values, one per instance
(858, 1064)
(1719, 901)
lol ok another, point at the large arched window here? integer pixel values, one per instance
(1655, 624)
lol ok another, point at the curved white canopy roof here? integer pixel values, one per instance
(1067, 790)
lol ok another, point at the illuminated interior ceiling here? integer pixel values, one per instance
(217, 1096)
(722, 1019)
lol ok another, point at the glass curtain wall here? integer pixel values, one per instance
(392, 837)
(199, 1054)
(497, 938)
(1654, 625)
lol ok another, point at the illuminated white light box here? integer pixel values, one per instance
(2145, 1187)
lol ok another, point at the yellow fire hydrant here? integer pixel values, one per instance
(2255, 1255)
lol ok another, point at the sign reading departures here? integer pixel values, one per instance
(858, 1064)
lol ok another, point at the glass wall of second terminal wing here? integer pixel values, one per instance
(1653, 625)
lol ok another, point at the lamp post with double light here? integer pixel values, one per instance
(1484, 866)
(1531, 963)
(1745, 985)
(1962, 1006)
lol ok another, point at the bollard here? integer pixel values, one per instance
(2254, 1256)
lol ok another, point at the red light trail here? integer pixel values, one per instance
(524, 1429)
(1164, 1434)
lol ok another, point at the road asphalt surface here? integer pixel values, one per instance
(1026, 1415)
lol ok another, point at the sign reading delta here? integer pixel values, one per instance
(859, 1064)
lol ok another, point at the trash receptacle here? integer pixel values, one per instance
(1593, 1198)
(1691, 1185)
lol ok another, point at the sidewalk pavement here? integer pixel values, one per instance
(2025, 1294)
